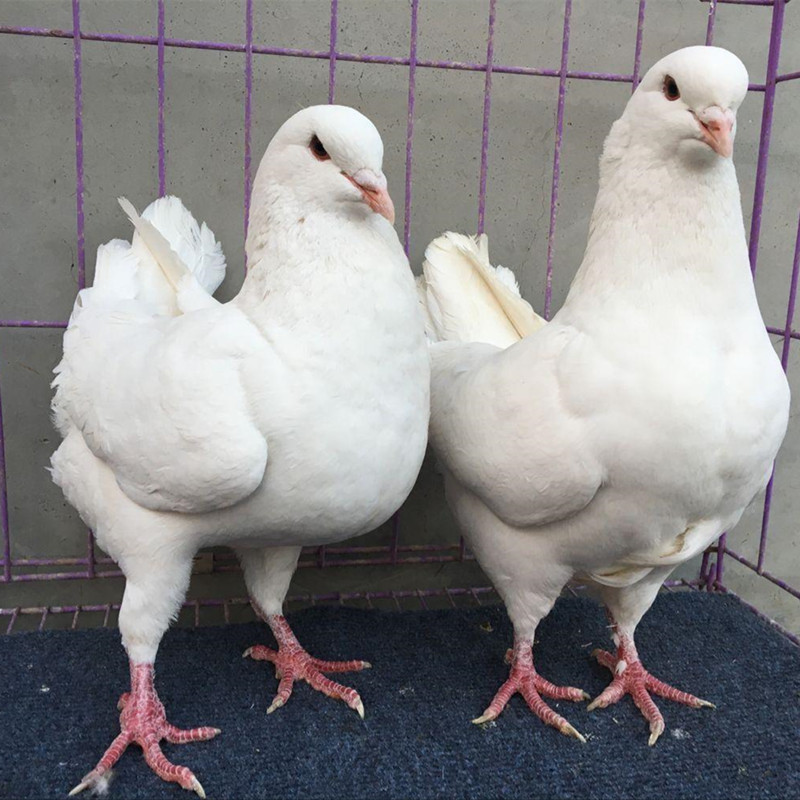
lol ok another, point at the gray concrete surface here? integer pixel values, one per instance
(204, 122)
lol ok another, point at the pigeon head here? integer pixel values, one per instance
(686, 105)
(330, 156)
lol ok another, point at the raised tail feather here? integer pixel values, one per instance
(466, 299)
(168, 247)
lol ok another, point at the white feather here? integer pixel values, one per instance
(174, 253)
(466, 299)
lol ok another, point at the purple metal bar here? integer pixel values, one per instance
(637, 57)
(719, 567)
(332, 50)
(31, 323)
(223, 557)
(781, 584)
(776, 30)
(77, 72)
(705, 573)
(712, 18)
(394, 547)
(775, 35)
(162, 161)
(28, 577)
(79, 185)
(12, 620)
(787, 339)
(787, 330)
(562, 93)
(487, 107)
(748, 2)
(195, 44)
(334, 28)
(36, 577)
(35, 323)
(412, 86)
(248, 111)
(91, 570)
(4, 526)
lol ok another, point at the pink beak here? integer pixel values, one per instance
(716, 129)
(373, 190)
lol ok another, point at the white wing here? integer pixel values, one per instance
(157, 397)
(161, 401)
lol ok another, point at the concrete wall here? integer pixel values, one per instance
(204, 125)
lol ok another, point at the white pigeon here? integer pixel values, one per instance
(294, 415)
(624, 436)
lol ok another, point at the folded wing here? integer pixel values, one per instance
(157, 394)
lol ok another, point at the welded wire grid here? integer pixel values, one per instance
(93, 566)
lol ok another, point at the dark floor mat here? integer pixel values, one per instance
(433, 672)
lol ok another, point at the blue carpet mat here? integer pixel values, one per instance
(433, 671)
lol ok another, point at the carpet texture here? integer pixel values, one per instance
(433, 671)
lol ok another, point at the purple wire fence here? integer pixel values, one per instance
(93, 566)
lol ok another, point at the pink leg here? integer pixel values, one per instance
(144, 721)
(525, 680)
(293, 663)
(630, 677)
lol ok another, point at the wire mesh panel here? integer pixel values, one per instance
(398, 545)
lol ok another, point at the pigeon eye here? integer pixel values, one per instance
(671, 91)
(318, 149)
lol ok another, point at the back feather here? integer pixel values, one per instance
(466, 299)
(115, 270)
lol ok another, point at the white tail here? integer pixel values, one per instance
(466, 299)
(169, 246)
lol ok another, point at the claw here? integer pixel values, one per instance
(705, 703)
(198, 788)
(568, 730)
(247, 652)
(359, 707)
(276, 704)
(483, 718)
(655, 732)
(79, 788)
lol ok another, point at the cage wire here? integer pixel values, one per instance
(94, 566)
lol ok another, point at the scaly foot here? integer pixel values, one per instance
(144, 721)
(525, 680)
(630, 677)
(293, 663)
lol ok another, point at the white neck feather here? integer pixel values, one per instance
(662, 226)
